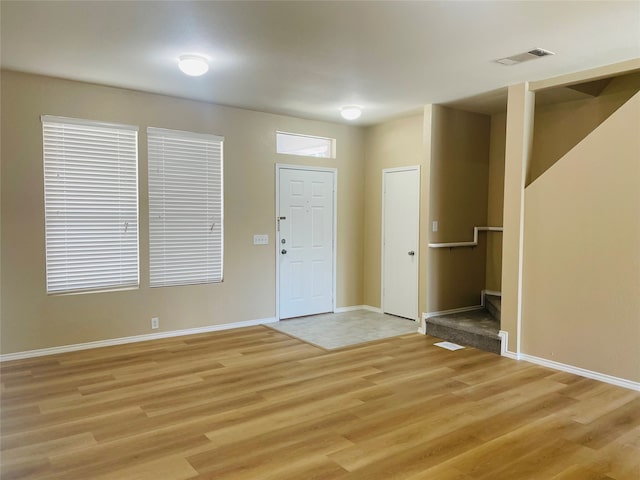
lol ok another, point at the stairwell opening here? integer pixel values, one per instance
(466, 191)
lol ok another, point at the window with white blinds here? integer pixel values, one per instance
(91, 205)
(185, 207)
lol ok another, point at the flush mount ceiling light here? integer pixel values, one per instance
(193, 65)
(351, 112)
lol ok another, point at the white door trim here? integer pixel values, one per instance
(384, 172)
(334, 171)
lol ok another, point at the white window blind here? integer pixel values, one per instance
(185, 207)
(91, 204)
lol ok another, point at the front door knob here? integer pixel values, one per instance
(412, 253)
(283, 251)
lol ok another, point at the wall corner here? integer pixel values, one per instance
(519, 136)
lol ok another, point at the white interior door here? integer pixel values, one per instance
(400, 218)
(305, 241)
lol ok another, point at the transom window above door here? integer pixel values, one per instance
(305, 145)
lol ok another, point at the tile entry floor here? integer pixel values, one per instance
(336, 330)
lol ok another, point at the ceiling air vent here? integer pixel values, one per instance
(524, 57)
(540, 52)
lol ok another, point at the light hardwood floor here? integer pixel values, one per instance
(254, 403)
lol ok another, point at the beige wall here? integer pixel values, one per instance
(495, 204)
(33, 320)
(560, 126)
(581, 302)
(397, 143)
(458, 201)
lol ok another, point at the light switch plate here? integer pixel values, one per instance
(261, 239)
(434, 226)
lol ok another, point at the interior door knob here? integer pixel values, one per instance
(412, 253)
(283, 251)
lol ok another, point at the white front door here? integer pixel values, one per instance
(400, 216)
(305, 241)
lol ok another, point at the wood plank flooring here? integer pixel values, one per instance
(254, 403)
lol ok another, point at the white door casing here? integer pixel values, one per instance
(400, 233)
(305, 207)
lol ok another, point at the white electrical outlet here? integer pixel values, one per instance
(261, 239)
(155, 323)
(434, 226)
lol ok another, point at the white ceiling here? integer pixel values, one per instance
(308, 58)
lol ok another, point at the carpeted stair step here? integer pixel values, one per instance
(477, 329)
(493, 303)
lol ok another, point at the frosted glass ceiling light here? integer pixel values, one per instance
(351, 112)
(193, 65)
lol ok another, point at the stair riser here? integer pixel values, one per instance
(464, 338)
(491, 308)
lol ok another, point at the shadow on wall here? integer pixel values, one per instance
(564, 116)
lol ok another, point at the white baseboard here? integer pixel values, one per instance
(504, 344)
(483, 293)
(495, 293)
(422, 329)
(602, 377)
(348, 309)
(372, 309)
(357, 307)
(136, 338)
